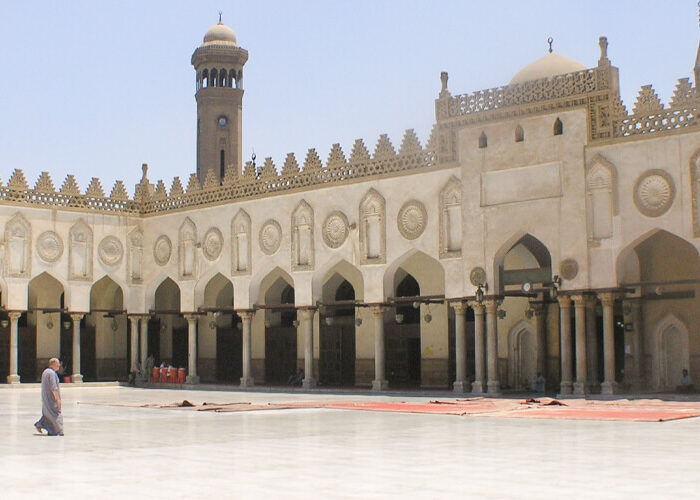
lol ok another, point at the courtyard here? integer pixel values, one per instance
(113, 451)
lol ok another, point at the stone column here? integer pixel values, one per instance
(13, 377)
(540, 315)
(192, 377)
(479, 348)
(144, 346)
(306, 317)
(134, 341)
(581, 384)
(592, 342)
(609, 384)
(493, 385)
(566, 348)
(636, 379)
(76, 377)
(379, 383)
(460, 384)
(246, 318)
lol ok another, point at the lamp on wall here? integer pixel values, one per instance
(479, 294)
(239, 326)
(295, 323)
(399, 318)
(4, 323)
(66, 325)
(358, 322)
(49, 324)
(329, 320)
(114, 325)
(428, 317)
(501, 313)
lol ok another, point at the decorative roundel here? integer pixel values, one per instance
(270, 237)
(335, 229)
(568, 268)
(49, 246)
(162, 250)
(477, 276)
(654, 193)
(110, 250)
(213, 243)
(412, 219)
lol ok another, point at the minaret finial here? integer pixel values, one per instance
(550, 40)
(220, 18)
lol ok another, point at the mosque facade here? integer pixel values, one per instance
(543, 228)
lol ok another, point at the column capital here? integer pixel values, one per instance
(191, 317)
(306, 313)
(580, 300)
(246, 314)
(76, 316)
(14, 315)
(459, 307)
(378, 309)
(607, 298)
(478, 307)
(564, 301)
(538, 308)
(492, 304)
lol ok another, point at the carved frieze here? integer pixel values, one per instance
(240, 244)
(601, 198)
(335, 229)
(654, 192)
(110, 251)
(49, 246)
(187, 248)
(213, 243)
(135, 256)
(412, 219)
(162, 250)
(372, 228)
(270, 237)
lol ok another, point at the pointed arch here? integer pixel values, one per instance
(451, 219)
(212, 276)
(601, 197)
(241, 263)
(45, 289)
(167, 296)
(80, 252)
(671, 352)
(303, 237)
(260, 284)
(342, 268)
(106, 293)
(427, 271)
(218, 292)
(539, 270)
(18, 247)
(372, 228)
(522, 354)
(558, 127)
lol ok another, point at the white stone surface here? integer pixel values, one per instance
(121, 452)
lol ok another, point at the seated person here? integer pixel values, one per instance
(296, 379)
(686, 383)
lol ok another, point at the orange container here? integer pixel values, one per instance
(181, 376)
(163, 375)
(173, 376)
(66, 380)
(156, 375)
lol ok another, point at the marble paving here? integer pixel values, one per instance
(125, 452)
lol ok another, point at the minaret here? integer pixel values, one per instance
(697, 60)
(219, 65)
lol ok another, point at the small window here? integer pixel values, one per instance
(222, 164)
(483, 141)
(519, 134)
(558, 127)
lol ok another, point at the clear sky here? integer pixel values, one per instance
(97, 88)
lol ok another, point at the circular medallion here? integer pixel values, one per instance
(568, 268)
(654, 192)
(335, 229)
(110, 250)
(213, 243)
(49, 246)
(162, 250)
(270, 237)
(412, 219)
(477, 276)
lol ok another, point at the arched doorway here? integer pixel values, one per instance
(104, 336)
(168, 326)
(226, 327)
(280, 331)
(663, 271)
(403, 348)
(337, 334)
(521, 347)
(40, 331)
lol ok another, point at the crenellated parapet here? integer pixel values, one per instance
(254, 182)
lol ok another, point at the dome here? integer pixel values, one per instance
(550, 65)
(220, 34)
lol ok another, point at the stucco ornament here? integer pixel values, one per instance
(213, 243)
(162, 250)
(568, 268)
(270, 237)
(110, 250)
(654, 193)
(412, 219)
(477, 276)
(49, 246)
(335, 229)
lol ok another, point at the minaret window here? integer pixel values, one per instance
(483, 141)
(519, 134)
(222, 163)
(558, 127)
